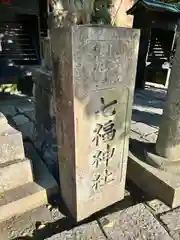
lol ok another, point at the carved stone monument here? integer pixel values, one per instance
(94, 72)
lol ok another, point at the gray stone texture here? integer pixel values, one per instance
(171, 220)
(157, 206)
(11, 145)
(168, 143)
(164, 185)
(25, 225)
(8, 110)
(143, 129)
(101, 67)
(20, 190)
(136, 223)
(83, 232)
(45, 117)
(15, 175)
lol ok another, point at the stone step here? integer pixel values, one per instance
(28, 196)
(3, 120)
(11, 144)
(15, 175)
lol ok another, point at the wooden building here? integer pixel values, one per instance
(158, 23)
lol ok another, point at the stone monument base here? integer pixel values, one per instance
(156, 182)
(152, 158)
(28, 196)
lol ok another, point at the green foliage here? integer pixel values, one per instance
(101, 12)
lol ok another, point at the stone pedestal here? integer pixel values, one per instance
(94, 72)
(164, 156)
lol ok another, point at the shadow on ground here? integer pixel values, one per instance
(149, 118)
(67, 223)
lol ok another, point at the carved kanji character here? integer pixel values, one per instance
(103, 156)
(100, 181)
(104, 108)
(106, 132)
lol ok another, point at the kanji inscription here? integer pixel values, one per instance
(103, 135)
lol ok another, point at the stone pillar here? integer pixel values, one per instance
(157, 169)
(94, 74)
(167, 156)
(168, 142)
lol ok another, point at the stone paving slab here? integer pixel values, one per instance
(8, 110)
(171, 220)
(20, 119)
(143, 129)
(82, 232)
(25, 224)
(134, 223)
(157, 206)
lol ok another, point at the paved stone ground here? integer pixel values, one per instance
(137, 217)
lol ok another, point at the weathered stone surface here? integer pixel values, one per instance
(164, 185)
(24, 224)
(45, 117)
(152, 137)
(20, 119)
(172, 221)
(143, 129)
(11, 144)
(46, 48)
(28, 130)
(94, 101)
(134, 223)
(3, 119)
(8, 110)
(26, 106)
(157, 206)
(30, 115)
(29, 195)
(135, 135)
(85, 232)
(15, 175)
